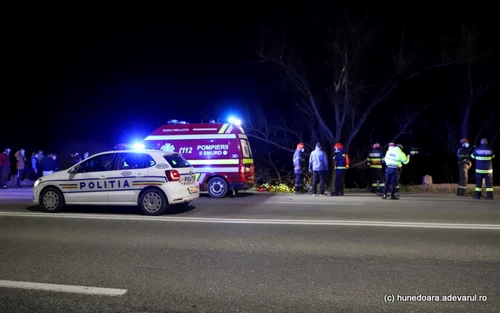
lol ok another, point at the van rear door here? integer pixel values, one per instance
(247, 167)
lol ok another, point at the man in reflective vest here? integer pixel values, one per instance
(374, 160)
(394, 159)
(299, 164)
(341, 159)
(464, 164)
(484, 169)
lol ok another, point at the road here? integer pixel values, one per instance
(252, 253)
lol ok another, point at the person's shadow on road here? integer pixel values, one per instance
(119, 210)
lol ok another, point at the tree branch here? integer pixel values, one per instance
(410, 119)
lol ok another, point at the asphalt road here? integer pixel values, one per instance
(255, 253)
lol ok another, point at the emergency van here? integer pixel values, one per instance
(219, 152)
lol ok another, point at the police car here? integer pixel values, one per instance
(150, 179)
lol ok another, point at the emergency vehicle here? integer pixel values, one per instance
(150, 179)
(219, 152)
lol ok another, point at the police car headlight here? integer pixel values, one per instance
(38, 181)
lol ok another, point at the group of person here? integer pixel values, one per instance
(318, 166)
(483, 155)
(387, 181)
(40, 165)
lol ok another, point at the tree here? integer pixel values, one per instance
(473, 88)
(337, 94)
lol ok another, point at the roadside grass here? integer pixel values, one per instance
(443, 189)
(434, 189)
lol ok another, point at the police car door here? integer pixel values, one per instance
(90, 180)
(131, 176)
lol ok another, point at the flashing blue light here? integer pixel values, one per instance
(138, 146)
(234, 121)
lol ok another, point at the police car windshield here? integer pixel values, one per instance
(177, 161)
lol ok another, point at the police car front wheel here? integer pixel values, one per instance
(52, 200)
(153, 202)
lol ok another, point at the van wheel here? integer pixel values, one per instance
(217, 187)
(52, 200)
(153, 202)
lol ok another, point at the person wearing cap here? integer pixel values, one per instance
(464, 164)
(299, 164)
(394, 159)
(318, 166)
(374, 160)
(484, 169)
(4, 167)
(341, 159)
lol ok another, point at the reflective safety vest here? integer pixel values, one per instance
(375, 158)
(484, 159)
(395, 157)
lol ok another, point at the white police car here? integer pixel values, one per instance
(147, 178)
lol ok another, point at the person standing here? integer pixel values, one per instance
(374, 160)
(48, 165)
(318, 166)
(20, 166)
(5, 167)
(34, 166)
(341, 159)
(484, 169)
(394, 159)
(464, 164)
(299, 164)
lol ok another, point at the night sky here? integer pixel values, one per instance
(112, 76)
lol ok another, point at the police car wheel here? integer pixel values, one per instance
(52, 200)
(217, 187)
(153, 202)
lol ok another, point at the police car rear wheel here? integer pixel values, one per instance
(153, 202)
(52, 200)
(217, 187)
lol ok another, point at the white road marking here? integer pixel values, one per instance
(314, 203)
(256, 221)
(63, 288)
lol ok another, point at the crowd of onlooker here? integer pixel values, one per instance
(19, 166)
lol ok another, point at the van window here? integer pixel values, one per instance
(245, 148)
(177, 161)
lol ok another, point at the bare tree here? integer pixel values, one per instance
(340, 107)
(494, 139)
(475, 91)
(406, 121)
(278, 134)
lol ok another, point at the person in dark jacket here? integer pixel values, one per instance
(464, 164)
(484, 169)
(341, 159)
(374, 160)
(4, 167)
(48, 165)
(75, 158)
(299, 163)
